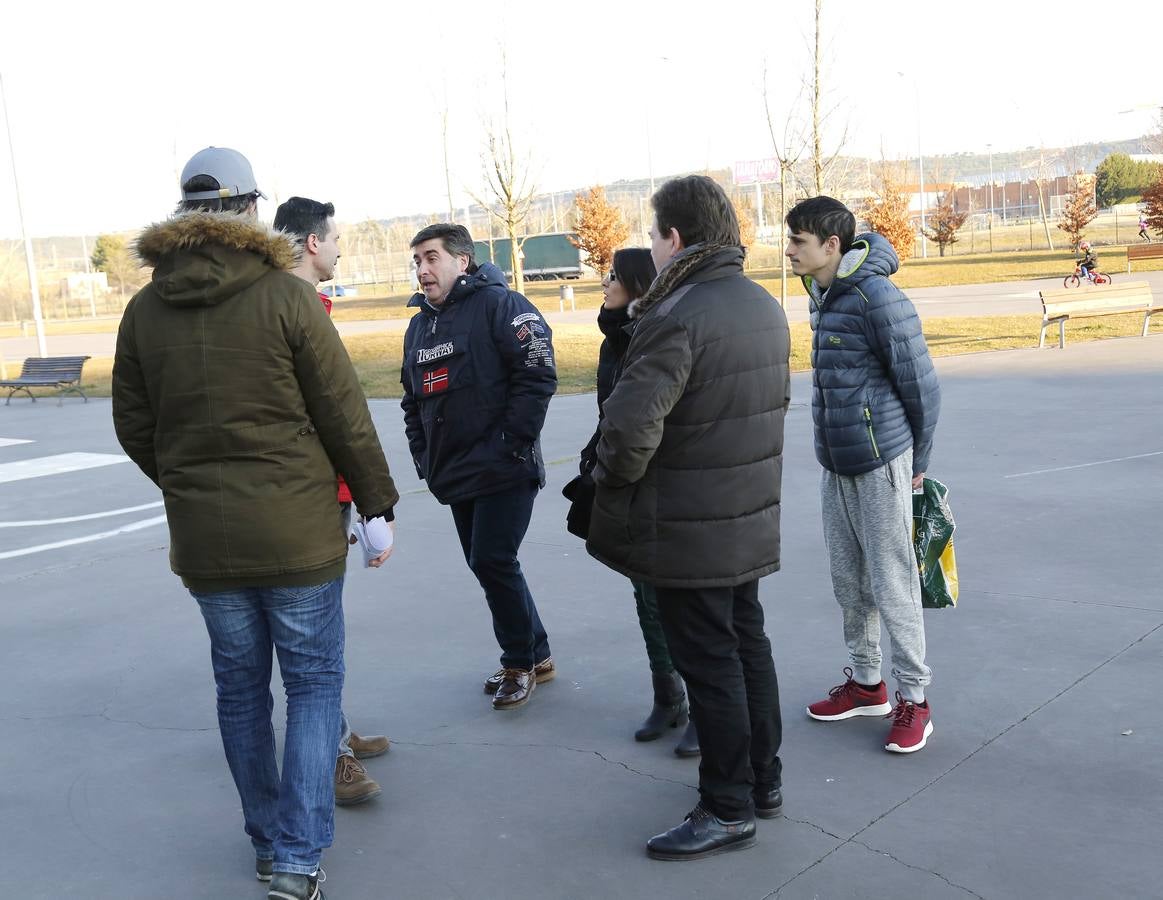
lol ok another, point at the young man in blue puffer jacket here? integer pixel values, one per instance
(875, 402)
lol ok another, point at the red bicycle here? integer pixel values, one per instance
(1078, 278)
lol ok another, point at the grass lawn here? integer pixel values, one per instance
(377, 357)
(981, 268)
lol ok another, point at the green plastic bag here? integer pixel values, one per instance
(933, 528)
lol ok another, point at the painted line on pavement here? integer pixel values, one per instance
(72, 542)
(8, 442)
(57, 465)
(1101, 462)
(85, 518)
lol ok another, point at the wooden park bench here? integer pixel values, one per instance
(1143, 251)
(1061, 304)
(61, 372)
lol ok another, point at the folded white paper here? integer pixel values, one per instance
(374, 538)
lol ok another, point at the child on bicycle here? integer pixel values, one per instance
(1089, 262)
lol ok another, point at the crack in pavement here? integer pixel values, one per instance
(82, 564)
(853, 839)
(107, 718)
(1094, 603)
(582, 750)
(908, 865)
(879, 852)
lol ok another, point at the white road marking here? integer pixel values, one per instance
(71, 542)
(85, 518)
(1101, 462)
(57, 465)
(8, 442)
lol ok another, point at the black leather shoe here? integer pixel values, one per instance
(700, 835)
(768, 802)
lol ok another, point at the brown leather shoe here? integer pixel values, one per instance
(352, 783)
(515, 690)
(546, 671)
(367, 747)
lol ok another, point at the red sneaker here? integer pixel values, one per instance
(911, 726)
(850, 699)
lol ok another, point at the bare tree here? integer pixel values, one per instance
(1079, 209)
(788, 153)
(444, 142)
(1041, 199)
(946, 221)
(507, 182)
(821, 164)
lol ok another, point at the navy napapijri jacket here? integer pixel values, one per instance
(875, 392)
(478, 373)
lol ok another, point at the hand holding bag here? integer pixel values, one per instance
(933, 528)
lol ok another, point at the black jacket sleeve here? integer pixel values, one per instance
(525, 342)
(413, 427)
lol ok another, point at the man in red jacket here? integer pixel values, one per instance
(312, 225)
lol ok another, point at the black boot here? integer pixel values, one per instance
(670, 709)
(688, 744)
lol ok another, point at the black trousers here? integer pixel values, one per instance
(491, 529)
(718, 645)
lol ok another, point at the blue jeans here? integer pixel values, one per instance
(289, 820)
(491, 529)
(344, 737)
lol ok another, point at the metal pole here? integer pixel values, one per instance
(89, 278)
(37, 318)
(989, 150)
(921, 169)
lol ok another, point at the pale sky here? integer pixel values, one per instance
(342, 101)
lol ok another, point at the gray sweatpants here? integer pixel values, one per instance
(868, 522)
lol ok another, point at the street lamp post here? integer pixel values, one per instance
(37, 318)
(989, 150)
(921, 170)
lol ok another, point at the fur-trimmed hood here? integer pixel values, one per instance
(202, 258)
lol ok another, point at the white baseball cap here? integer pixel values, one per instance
(228, 167)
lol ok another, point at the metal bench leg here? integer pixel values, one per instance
(1042, 335)
(1062, 335)
(8, 399)
(1146, 324)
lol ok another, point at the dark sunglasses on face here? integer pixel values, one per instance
(613, 276)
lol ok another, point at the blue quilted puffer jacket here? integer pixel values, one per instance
(874, 389)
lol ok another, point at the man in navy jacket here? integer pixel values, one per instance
(875, 402)
(478, 373)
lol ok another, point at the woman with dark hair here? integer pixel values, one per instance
(630, 277)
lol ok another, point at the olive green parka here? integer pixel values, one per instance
(234, 393)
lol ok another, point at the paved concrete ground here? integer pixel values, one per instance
(1002, 299)
(1040, 781)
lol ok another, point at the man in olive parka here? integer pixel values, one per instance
(233, 392)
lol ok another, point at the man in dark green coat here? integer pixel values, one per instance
(234, 394)
(688, 487)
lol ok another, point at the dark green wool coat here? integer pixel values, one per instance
(234, 393)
